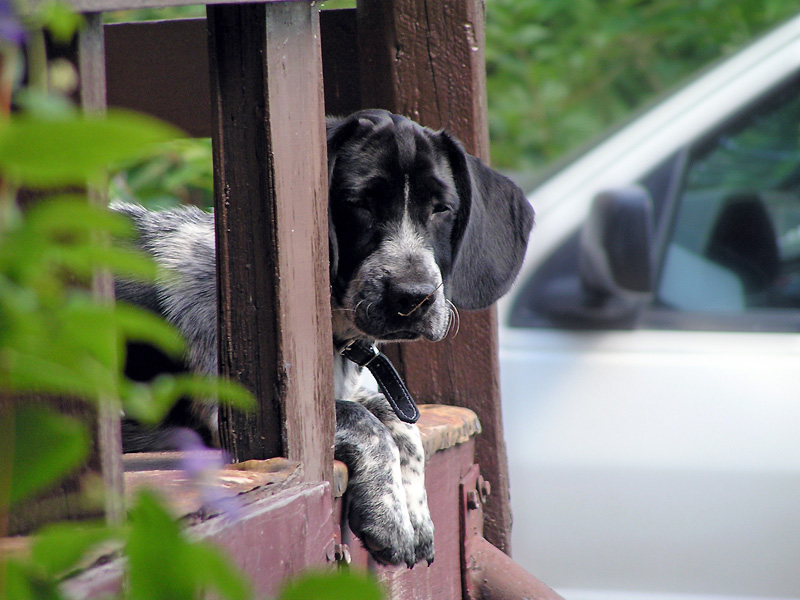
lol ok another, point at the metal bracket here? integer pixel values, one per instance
(486, 572)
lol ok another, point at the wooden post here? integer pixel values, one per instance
(92, 67)
(270, 188)
(67, 499)
(426, 60)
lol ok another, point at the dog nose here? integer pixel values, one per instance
(412, 298)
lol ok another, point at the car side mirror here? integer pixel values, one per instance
(614, 274)
(616, 246)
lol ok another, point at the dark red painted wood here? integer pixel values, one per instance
(426, 60)
(279, 537)
(271, 222)
(161, 68)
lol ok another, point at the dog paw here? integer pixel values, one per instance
(423, 541)
(385, 531)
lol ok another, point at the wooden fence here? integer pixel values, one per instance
(258, 77)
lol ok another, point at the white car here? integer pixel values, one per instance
(650, 349)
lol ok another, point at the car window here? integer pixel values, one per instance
(735, 241)
(727, 212)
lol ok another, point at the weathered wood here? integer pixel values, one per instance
(271, 223)
(110, 5)
(297, 123)
(91, 57)
(426, 60)
(275, 537)
(161, 68)
(442, 579)
(244, 200)
(340, 61)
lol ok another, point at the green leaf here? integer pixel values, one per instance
(71, 214)
(73, 150)
(202, 387)
(23, 583)
(150, 404)
(34, 373)
(45, 105)
(60, 20)
(341, 585)
(141, 325)
(40, 447)
(165, 565)
(155, 553)
(58, 548)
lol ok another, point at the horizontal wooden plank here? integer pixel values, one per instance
(161, 68)
(443, 427)
(88, 6)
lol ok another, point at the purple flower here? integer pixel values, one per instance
(202, 465)
(11, 30)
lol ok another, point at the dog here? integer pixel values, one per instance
(418, 229)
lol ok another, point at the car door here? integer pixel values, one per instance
(658, 447)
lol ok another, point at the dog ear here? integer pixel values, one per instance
(491, 231)
(338, 130)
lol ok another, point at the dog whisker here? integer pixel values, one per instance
(423, 301)
(454, 318)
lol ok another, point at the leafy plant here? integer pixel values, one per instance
(58, 339)
(559, 72)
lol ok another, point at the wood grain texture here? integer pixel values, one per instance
(275, 537)
(278, 537)
(271, 223)
(426, 60)
(245, 205)
(297, 124)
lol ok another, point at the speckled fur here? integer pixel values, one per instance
(418, 227)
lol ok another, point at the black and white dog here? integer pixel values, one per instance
(417, 228)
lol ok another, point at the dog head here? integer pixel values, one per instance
(416, 223)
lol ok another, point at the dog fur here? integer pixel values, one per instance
(418, 227)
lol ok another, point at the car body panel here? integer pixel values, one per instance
(655, 462)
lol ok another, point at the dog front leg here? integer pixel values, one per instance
(412, 467)
(375, 500)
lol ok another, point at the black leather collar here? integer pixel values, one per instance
(367, 355)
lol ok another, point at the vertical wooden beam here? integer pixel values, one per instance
(67, 499)
(426, 60)
(91, 64)
(270, 172)
(297, 122)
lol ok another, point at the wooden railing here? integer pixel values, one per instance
(258, 77)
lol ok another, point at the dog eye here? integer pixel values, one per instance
(359, 203)
(441, 209)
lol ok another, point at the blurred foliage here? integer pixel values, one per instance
(560, 72)
(180, 174)
(155, 14)
(57, 339)
(190, 11)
